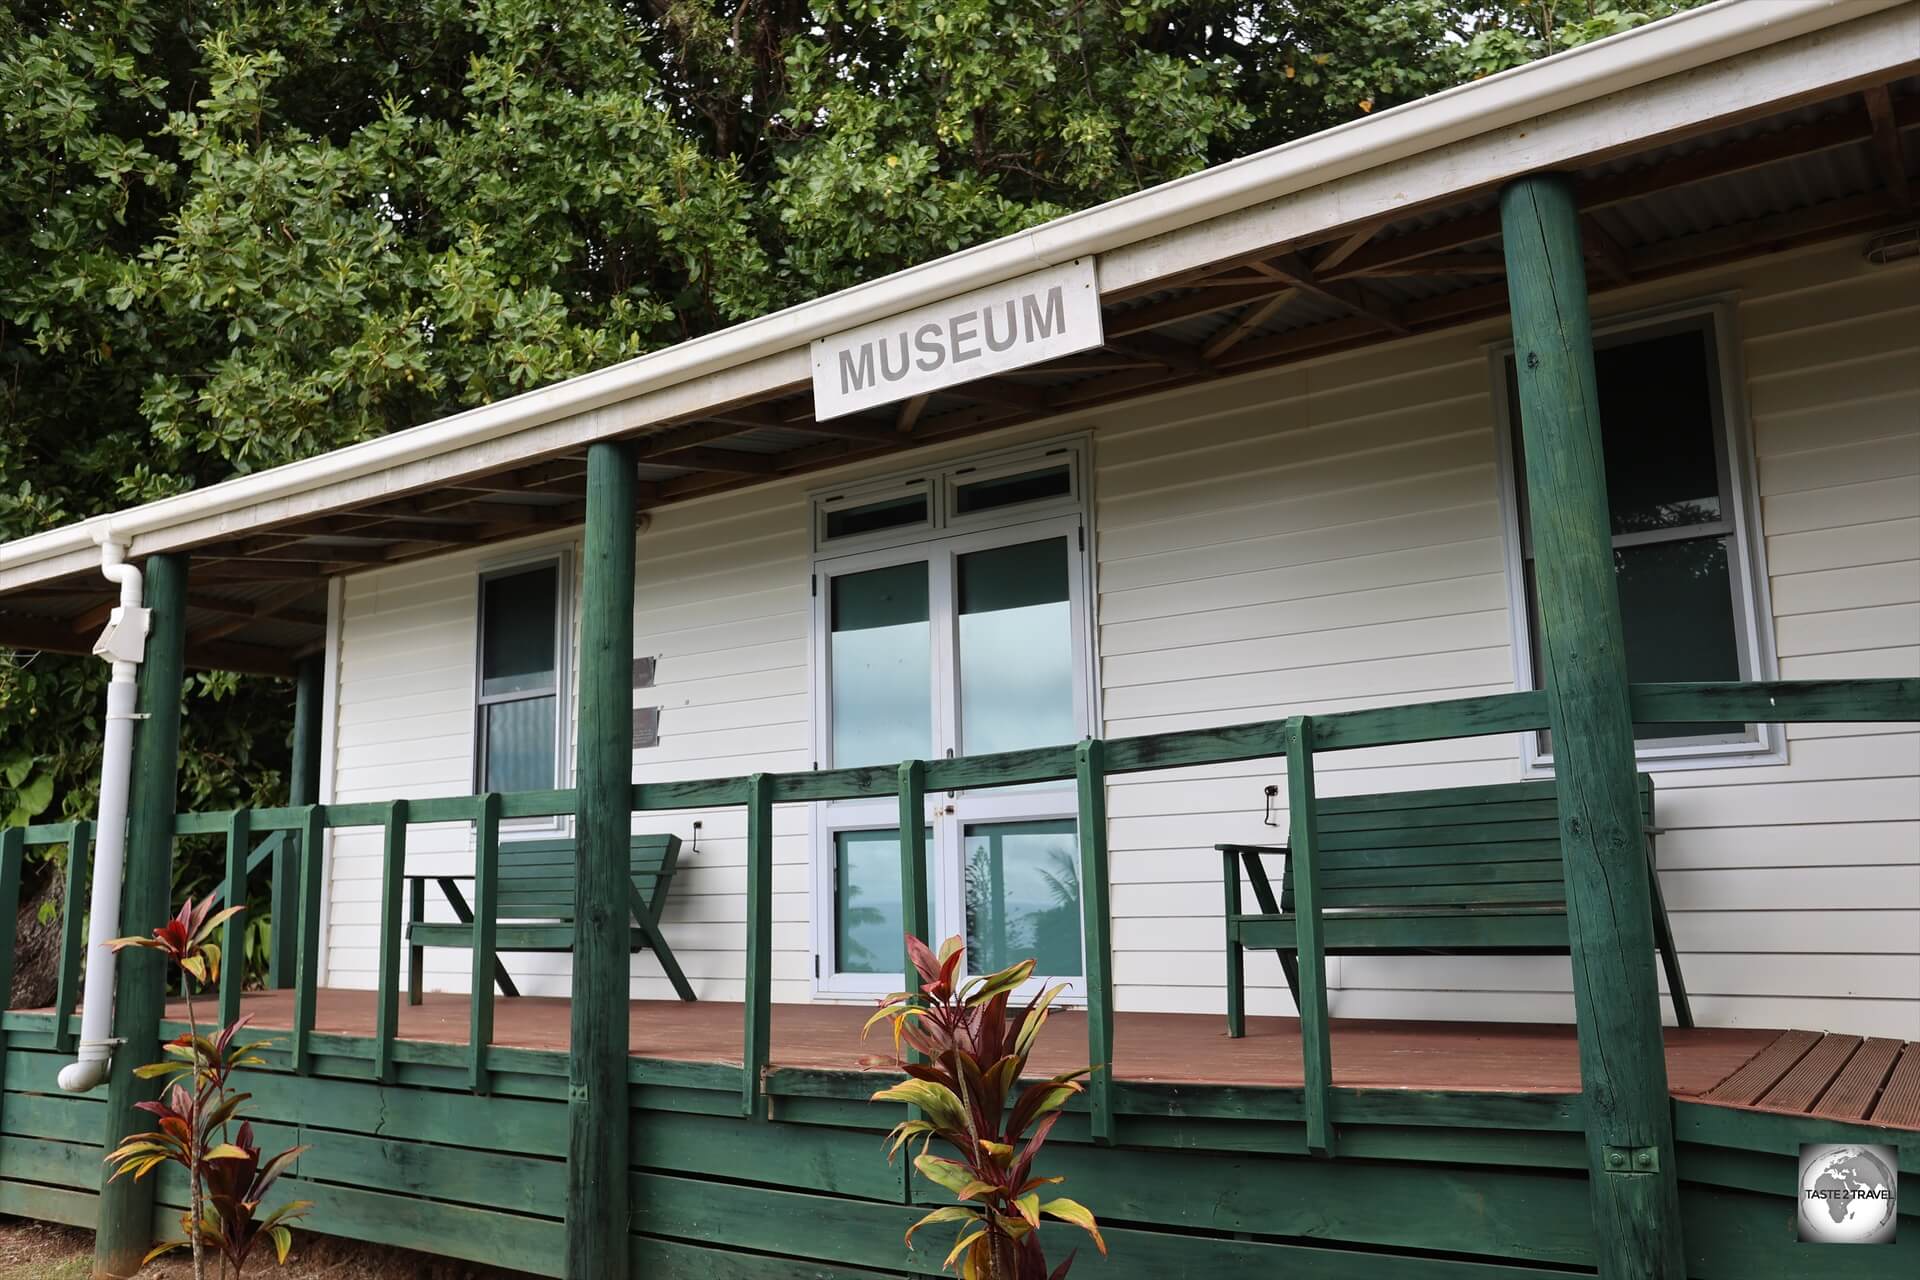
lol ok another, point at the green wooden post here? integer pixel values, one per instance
(233, 963)
(486, 921)
(915, 914)
(597, 1197)
(757, 1041)
(1609, 911)
(13, 858)
(1236, 953)
(393, 883)
(125, 1225)
(303, 788)
(1303, 839)
(306, 978)
(73, 933)
(1096, 914)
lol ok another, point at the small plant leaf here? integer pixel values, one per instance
(961, 1246)
(951, 1213)
(1078, 1214)
(950, 1174)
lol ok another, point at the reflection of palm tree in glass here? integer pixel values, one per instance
(1051, 934)
(854, 956)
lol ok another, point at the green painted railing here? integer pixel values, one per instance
(77, 836)
(1087, 765)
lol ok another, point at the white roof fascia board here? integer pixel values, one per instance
(769, 352)
(1873, 46)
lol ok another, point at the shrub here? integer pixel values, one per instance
(975, 1052)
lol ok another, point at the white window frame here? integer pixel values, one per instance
(561, 558)
(1762, 744)
(943, 537)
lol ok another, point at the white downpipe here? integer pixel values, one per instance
(124, 645)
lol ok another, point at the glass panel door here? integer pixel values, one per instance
(969, 644)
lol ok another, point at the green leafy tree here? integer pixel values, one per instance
(233, 235)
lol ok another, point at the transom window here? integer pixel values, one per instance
(970, 634)
(1684, 563)
(518, 708)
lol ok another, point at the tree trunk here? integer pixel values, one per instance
(37, 946)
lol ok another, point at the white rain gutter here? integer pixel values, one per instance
(124, 644)
(1668, 47)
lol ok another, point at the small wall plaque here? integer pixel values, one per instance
(643, 673)
(646, 726)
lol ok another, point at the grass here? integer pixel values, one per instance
(66, 1269)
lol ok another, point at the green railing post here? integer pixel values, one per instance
(73, 933)
(915, 914)
(757, 1042)
(1096, 914)
(124, 1228)
(393, 883)
(1303, 841)
(13, 858)
(1629, 1120)
(233, 960)
(597, 1116)
(486, 920)
(306, 980)
(303, 788)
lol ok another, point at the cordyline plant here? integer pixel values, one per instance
(227, 1179)
(975, 1051)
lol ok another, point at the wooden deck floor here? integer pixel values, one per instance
(1830, 1076)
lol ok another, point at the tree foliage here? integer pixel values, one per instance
(233, 235)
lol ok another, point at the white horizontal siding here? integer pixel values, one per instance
(403, 721)
(1321, 537)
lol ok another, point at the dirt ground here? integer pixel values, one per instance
(36, 1251)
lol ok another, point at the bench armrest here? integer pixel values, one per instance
(1251, 848)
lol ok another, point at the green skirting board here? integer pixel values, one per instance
(1486, 1189)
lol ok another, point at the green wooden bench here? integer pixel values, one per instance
(1461, 871)
(536, 907)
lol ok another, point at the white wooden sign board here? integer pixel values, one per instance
(1010, 325)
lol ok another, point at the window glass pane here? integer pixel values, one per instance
(1676, 607)
(1676, 604)
(873, 517)
(881, 666)
(517, 625)
(1023, 896)
(868, 936)
(1007, 491)
(519, 745)
(1657, 419)
(1016, 648)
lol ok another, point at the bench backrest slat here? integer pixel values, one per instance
(1452, 847)
(537, 876)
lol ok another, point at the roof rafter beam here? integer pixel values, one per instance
(271, 606)
(1601, 247)
(1296, 271)
(734, 461)
(1888, 153)
(1160, 351)
(50, 636)
(1598, 192)
(1346, 248)
(1207, 301)
(1249, 321)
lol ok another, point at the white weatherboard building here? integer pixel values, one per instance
(1275, 475)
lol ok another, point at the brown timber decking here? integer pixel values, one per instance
(1830, 1076)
